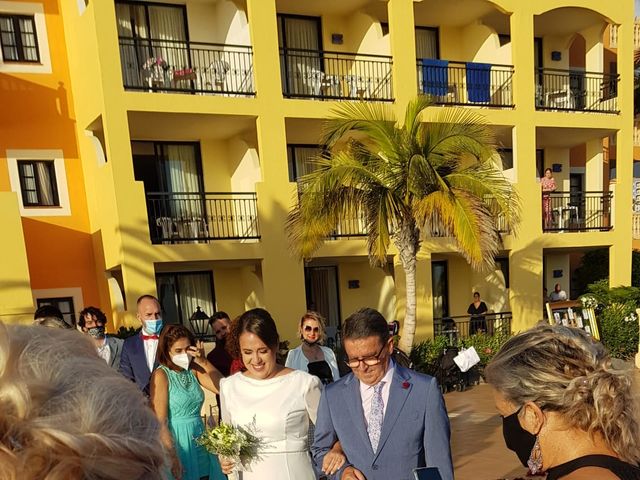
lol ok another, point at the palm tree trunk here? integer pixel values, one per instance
(408, 241)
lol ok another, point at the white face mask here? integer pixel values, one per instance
(182, 360)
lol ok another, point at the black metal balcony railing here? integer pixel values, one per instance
(328, 75)
(463, 326)
(576, 91)
(200, 217)
(187, 67)
(466, 83)
(576, 211)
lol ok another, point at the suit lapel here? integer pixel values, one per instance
(398, 394)
(141, 357)
(353, 400)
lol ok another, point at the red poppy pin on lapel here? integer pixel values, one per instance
(405, 385)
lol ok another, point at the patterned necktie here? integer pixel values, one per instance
(376, 416)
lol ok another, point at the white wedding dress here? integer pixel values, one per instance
(282, 407)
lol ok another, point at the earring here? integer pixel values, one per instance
(535, 459)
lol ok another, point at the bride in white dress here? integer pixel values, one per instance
(281, 400)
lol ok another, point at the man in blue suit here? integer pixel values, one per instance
(389, 419)
(139, 351)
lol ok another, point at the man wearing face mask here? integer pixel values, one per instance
(92, 321)
(139, 351)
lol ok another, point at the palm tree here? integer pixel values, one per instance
(403, 180)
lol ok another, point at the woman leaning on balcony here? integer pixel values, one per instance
(548, 185)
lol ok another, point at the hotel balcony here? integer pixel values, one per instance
(186, 67)
(194, 47)
(466, 83)
(325, 75)
(576, 211)
(573, 90)
(202, 217)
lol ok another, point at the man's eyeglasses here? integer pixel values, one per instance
(309, 328)
(369, 361)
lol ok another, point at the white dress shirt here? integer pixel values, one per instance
(150, 348)
(366, 393)
(104, 351)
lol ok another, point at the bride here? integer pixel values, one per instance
(280, 401)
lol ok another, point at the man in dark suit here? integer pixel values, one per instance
(139, 351)
(389, 419)
(92, 321)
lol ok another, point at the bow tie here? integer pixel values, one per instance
(149, 337)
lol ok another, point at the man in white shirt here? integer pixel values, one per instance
(558, 295)
(139, 351)
(92, 322)
(389, 420)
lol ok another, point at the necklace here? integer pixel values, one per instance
(185, 379)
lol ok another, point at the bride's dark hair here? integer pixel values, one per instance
(257, 321)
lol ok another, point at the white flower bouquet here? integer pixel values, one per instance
(239, 444)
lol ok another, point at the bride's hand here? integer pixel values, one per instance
(226, 465)
(333, 460)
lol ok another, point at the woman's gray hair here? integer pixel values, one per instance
(563, 369)
(65, 414)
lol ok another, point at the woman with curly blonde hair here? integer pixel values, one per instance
(565, 410)
(66, 415)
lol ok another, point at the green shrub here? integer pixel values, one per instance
(425, 354)
(617, 320)
(125, 332)
(486, 345)
(619, 329)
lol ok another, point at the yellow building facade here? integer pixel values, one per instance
(193, 120)
(47, 248)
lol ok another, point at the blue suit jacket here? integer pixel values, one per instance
(133, 362)
(415, 432)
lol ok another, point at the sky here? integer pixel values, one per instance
(637, 8)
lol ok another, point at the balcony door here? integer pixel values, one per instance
(427, 45)
(323, 295)
(180, 294)
(440, 289)
(301, 160)
(153, 39)
(174, 187)
(300, 42)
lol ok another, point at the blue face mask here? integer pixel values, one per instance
(153, 327)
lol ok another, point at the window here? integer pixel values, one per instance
(64, 304)
(301, 160)
(506, 155)
(18, 38)
(502, 264)
(38, 183)
(181, 293)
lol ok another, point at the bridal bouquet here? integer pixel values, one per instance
(239, 444)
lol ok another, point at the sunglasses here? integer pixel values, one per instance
(309, 329)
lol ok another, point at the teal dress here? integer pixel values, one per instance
(185, 424)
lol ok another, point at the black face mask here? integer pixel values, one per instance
(517, 438)
(97, 332)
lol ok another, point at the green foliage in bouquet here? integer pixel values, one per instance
(240, 444)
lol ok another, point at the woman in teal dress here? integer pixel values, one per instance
(177, 398)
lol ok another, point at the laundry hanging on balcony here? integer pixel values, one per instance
(435, 76)
(478, 82)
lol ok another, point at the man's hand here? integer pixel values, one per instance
(351, 473)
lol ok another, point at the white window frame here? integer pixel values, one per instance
(37, 10)
(64, 209)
